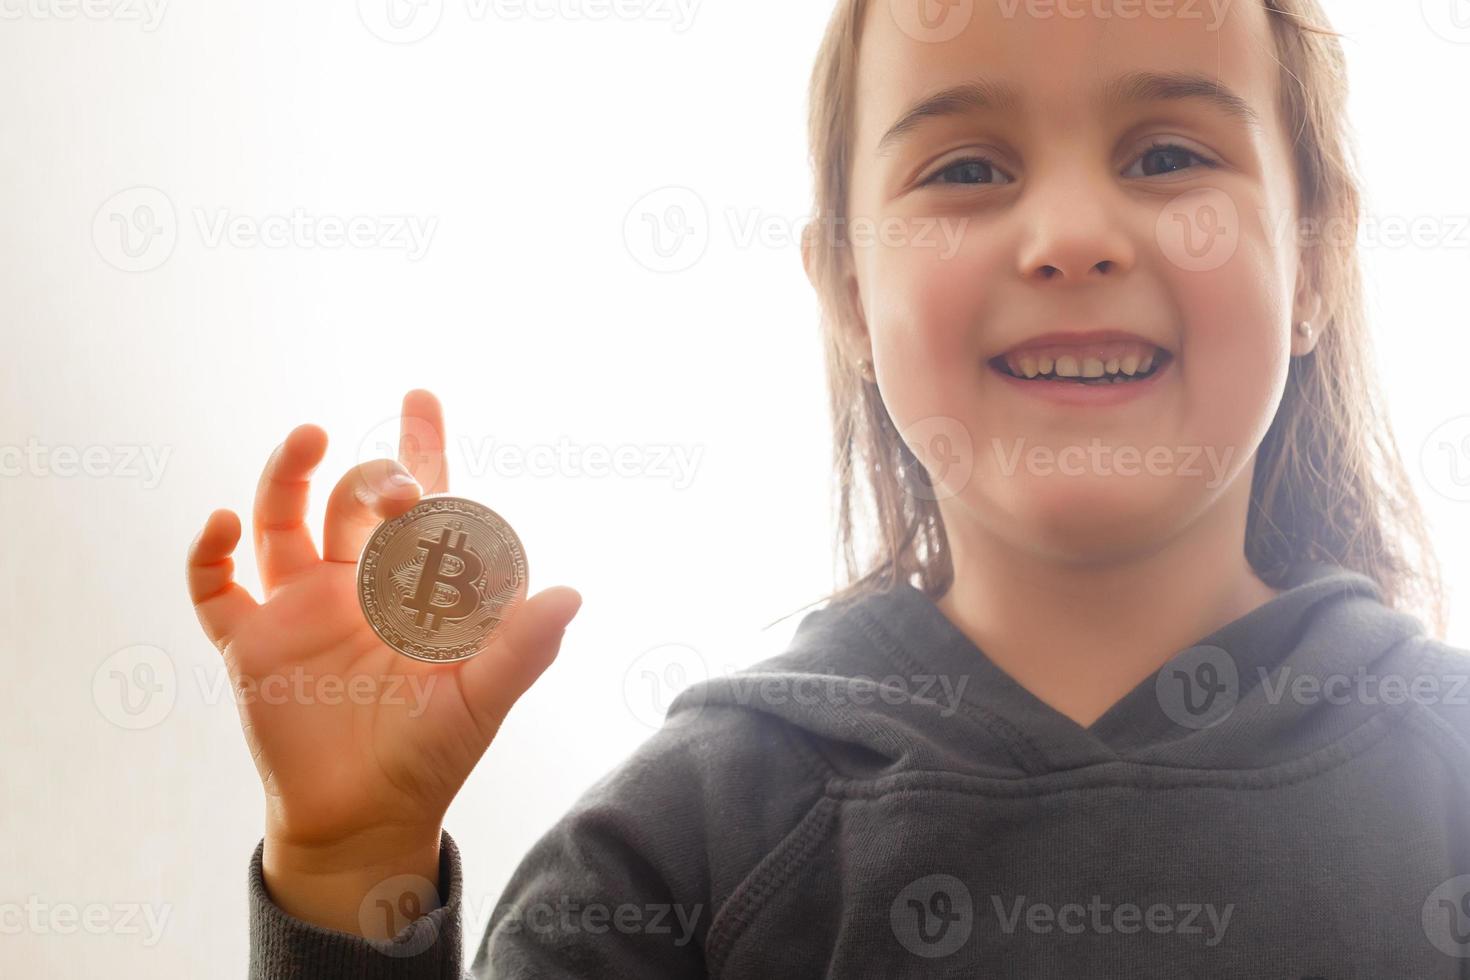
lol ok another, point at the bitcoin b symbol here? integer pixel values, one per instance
(437, 582)
(460, 579)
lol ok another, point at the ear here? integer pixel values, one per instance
(1307, 304)
(852, 325)
(1308, 307)
(808, 252)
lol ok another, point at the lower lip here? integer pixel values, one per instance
(1074, 393)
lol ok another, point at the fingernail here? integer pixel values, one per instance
(397, 481)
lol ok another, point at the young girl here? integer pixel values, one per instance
(1128, 685)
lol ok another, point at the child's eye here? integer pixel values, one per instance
(1171, 158)
(970, 170)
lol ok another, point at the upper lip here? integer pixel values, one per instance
(1059, 338)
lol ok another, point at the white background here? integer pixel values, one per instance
(524, 144)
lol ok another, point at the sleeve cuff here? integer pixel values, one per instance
(283, 946)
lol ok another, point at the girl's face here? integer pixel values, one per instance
(1083, 178)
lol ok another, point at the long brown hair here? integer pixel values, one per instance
(1329, 483)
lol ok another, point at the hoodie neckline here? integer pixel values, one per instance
(1253, 644)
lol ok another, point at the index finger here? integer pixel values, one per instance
(421, 440)
(221, 603)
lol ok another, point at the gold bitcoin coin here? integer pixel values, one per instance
(437, 582)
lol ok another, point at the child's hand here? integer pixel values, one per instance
(351, 776)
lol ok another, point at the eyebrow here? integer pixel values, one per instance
(1130, 88)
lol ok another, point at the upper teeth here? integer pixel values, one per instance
(1089, 361)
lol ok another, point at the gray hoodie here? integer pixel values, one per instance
(1287, 798)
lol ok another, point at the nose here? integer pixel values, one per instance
(1073, 231)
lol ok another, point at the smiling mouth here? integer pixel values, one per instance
(1083, 370)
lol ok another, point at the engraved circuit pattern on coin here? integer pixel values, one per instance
(436, 582)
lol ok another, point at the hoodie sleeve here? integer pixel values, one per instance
(650, 870)
(283, 946)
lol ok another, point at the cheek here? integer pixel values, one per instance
(1236, 349)
(928, 298)
(928, 312)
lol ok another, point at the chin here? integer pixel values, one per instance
(1093, 517)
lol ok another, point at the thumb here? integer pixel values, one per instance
(497, 677)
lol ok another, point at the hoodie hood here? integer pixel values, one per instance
(887, 683)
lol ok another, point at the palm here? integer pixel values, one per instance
(346, 732)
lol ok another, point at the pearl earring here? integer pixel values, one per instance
(865, 368)
(1305, 329)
